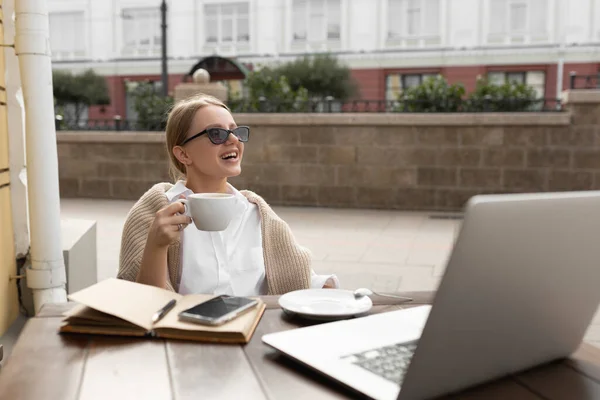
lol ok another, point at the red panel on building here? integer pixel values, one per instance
(467, 76)
(370, 83)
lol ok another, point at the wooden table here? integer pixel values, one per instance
(46, 365)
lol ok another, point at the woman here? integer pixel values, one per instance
(256, 254)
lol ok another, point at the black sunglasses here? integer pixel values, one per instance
(220, 135)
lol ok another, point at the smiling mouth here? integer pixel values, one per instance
(230, 156)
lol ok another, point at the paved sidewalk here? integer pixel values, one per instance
(381, 250)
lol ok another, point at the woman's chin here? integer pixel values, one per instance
(233, 171)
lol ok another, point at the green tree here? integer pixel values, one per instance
(78, 91)
(295, 86)
(321, 76)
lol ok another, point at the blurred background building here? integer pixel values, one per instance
(388, 44)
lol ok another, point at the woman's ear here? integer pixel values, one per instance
(181, 155)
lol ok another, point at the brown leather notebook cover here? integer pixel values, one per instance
(124, 308)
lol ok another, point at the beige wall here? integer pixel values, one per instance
(8, 288)
(410, 161)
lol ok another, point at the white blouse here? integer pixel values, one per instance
(231, 261)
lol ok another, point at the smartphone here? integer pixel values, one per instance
(218, 310)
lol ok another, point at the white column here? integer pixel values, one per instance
(46, 277)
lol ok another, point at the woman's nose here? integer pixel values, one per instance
(232, 138)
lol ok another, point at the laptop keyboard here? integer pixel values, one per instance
(389, 362)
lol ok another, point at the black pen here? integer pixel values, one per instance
(163, 311)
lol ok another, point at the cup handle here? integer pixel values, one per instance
(186, 208)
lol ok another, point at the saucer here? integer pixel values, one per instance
(324, 304)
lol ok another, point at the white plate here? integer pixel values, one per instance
(324, 304)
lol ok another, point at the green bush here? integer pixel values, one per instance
(436, 95)
(269, 92)
(151, 107)
(510, 96)
(432, 95)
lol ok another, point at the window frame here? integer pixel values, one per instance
(138, 49)
(74, 53)
(422, 38)
(525, 77)
(219, 17)
(326, 20)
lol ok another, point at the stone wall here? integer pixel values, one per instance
(400, 161)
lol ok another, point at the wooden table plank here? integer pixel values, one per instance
(47, 365)
(419, 298)
(44, 364)
(557, 381)
(504, 389)
(282, 378)
(279, 377)
(211, 371)
(125, 368)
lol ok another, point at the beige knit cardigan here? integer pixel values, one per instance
(287, 265)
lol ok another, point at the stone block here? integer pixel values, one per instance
(551, 158)
(459, 157)
(435, 176)
(570, 180)
(483, 136)
(525, 179)
(300, 195)
(480, 178)
(337, 155)
(502, 157)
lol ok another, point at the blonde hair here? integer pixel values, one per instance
(179, 123)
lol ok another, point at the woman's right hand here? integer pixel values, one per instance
(167, 225)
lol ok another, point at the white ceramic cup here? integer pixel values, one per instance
(209, 211)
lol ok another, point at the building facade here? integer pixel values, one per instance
(388, 44)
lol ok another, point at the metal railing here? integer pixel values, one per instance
(329, 106)
(584, 81)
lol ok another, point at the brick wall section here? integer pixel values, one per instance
(411, 161)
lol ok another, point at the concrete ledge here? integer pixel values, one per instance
(364, 119)
(582, 96)
(398, 119)
(80, 254)
(109, 136)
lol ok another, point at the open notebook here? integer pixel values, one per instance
(123, 308)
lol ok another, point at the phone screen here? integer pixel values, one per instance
(219, 306)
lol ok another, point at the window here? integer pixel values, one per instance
(512, 19)
(518, 16)
(67, 35)
(413, 15)
(141, 31)
(316, 20)
(396, 83)
(535, 79)
(226, 23)
(413, 18)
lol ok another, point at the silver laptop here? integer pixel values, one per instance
(520, 288)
